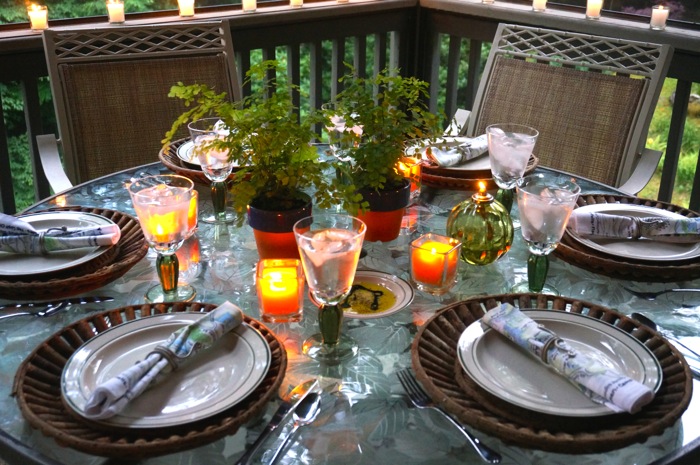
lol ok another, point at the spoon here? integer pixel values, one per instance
(38, 313)
(305, 413)
(650, 323)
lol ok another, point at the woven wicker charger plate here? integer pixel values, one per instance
(131, 248)
(434, 357)
(572, 251)
(37, 388)
(447, 178)
(168, 156)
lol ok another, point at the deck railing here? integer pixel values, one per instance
(370, 35)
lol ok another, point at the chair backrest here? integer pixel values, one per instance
(110, 88)
(591, 98)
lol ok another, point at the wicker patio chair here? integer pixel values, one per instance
(110, 88)
(591, 98)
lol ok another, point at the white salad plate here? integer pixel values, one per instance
(402, 291)
(12, 264)
(184, 153)
(215, 379)
(632, 248)
(507, 371)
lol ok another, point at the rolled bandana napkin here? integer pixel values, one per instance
(18, 236)
(112, 396)
(604, 386)
(656, 228)
(457, 151)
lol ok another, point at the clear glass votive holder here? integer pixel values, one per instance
(659, 16)
(434, 260)
(115, 11)
(593, 8)
(280, 287)
(539, 5)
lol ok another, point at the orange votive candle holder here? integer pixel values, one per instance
(280, 287)
(434, 261)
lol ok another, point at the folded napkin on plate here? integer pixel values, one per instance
(112, 396)
(604, 386)
(656, 228)
(457, 151)
(18, 236)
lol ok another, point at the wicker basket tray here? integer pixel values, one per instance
(131, 248)
(168, 156)
(572, 251)
(447, 178)
(435, 361)
(37, 388)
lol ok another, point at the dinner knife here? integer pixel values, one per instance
(54, 303)
(289, 403)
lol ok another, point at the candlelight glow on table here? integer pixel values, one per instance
(115, 11)
(162, 204)
(38, 17)
(434, 260)
(280, 287)
(329, 246)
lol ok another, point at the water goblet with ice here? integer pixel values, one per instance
(545, 205)
(162, 204)
(510, 148)
(208, 135)
(329, 246)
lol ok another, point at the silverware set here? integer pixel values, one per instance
(48, 308)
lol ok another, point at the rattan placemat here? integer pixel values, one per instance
(131, 248)
(37, 388)
(572, 251)
(448, 178)
(168, 156)
(434, 357)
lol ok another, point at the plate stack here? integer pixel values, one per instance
(177, 157)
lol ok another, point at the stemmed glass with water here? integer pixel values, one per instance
(510, 148)
(329, 246)
(207, 135)
(545, 203)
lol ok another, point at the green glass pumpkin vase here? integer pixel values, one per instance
(483, 226)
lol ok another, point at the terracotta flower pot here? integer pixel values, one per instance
(386, 210)
(273, 229)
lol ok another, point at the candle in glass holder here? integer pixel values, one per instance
(186, 7)
(593, 8)
(659, 15)
(115, 11)
(249, 6)
(38, 17)
(280, 287)
(193, 212)
(539, 5)
(434, 260)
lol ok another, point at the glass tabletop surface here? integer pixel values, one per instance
(366, 416)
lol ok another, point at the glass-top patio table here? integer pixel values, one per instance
(366, 417)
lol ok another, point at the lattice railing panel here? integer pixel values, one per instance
(79, 45)
(581, 50)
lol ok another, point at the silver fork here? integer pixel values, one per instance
(420, 399)
(653, 295)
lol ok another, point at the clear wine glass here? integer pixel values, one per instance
(207, 135)
(329, 246)
(510, 148)
(545, 204)
(162, 204)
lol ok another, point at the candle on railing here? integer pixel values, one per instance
(539, 5)
(115, 11)
(659, 15)
(280, 288)
(186, 7)
(487, 1)
(38, 17)
(296, 3)
(249, 6)
(343, 1)
(593, 8)
(434, 260)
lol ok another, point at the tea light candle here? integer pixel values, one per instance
(249, 6)
(115, 11)
(434, 260)
(193, 212)
(38, 17)
(659, 15)
(296, 3)
(280, 286)
(186, 7)
(539, 5)
(593, 8)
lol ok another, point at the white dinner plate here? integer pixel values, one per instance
(184, 153)
(506, 371)
(12, 264)
(636, 249)
(399, 288)
(214, 380)
(479, 163)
